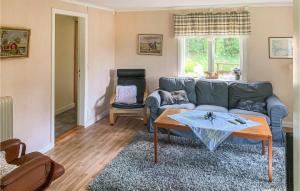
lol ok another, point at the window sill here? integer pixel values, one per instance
(207, 78)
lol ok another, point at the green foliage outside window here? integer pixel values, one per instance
(227, 54)
(196, 53)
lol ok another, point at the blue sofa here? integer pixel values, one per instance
(216, 95)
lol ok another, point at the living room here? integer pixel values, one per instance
(114, 32)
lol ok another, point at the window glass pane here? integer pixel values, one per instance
(227, 56)
(196, 56)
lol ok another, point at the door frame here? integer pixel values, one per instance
(82, 94)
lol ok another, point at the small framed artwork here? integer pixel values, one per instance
(280, 47)
(150, 44)
(14, 42)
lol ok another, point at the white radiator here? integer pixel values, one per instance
(6, 118)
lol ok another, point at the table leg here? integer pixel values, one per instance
(270, 159)
(263, 147)
(169, 135)
(155, 144)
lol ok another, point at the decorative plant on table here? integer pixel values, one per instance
(237, 72)
(210, 116)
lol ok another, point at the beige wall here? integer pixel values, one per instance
(64, 62)
(101, 55)
(28, 80)
(297, 95)
(266, 22)
(128, 25)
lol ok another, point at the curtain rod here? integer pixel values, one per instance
(212, 10)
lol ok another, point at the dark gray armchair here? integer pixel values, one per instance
(130, 77)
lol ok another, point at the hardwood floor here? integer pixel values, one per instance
(84, 152)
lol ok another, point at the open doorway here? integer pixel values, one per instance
(69, 60)
(66, 73)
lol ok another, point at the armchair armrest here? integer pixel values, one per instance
(24, 170)
(12, 149)
(112, 98)
(276, 110)
(153, 101)
(145, 96)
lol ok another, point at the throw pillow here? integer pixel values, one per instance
(5, 167)
(175, 97)
(166, 98)
(126, 94)
(251, 105)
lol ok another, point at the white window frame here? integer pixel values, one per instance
(211, 56)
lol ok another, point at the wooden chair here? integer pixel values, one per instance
(130, 77)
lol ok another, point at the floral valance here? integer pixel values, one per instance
(210, 23)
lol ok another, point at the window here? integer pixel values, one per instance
(215, 57)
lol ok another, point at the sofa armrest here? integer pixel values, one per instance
(276, 110)
(153, 101)
(28, 169)
(12, 149)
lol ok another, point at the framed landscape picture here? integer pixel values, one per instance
(150, 44)
(281, 47)
(14, 42)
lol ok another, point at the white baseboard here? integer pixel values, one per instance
(287, 124)
(64, 108)
(47, 148)
(99, 117)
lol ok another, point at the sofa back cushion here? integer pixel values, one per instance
(171, 84)
(212, 92)
(256, 91)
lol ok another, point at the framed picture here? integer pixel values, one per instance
(14, 42)
(280, 47)
(150, 44)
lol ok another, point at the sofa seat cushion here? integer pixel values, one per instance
(127, 106)
(213, 108)
(240, 111)
(177, 106)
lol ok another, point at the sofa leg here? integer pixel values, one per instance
(111, 118)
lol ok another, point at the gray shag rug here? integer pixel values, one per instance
(186, 164)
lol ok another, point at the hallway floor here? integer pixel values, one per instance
(65, 122)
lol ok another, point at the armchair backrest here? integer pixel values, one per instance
(133, 77)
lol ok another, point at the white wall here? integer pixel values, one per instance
(266, 21)
(28, 80)
(296, 95)
(64, 62)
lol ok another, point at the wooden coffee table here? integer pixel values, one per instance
(261, 132)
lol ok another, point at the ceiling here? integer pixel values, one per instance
(125, 5)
